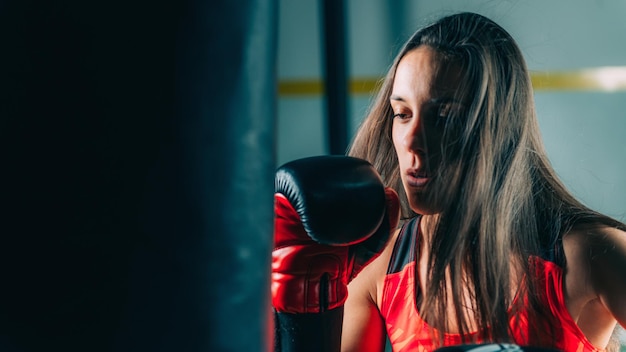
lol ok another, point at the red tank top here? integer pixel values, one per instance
(408, 332)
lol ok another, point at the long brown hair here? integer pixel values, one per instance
(501, 198)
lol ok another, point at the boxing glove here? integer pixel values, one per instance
(332, 217)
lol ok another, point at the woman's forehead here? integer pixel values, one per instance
(424, 71)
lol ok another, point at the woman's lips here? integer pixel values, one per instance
(416, 178)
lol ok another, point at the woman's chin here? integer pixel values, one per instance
(423, 208)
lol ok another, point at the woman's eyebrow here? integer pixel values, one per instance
(444, 100)
(433, 101)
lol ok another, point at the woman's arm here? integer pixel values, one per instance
(363, 326)
(607, 256)
(595, 280)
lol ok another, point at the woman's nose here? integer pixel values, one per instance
(415, 136)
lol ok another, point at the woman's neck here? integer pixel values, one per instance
(427, 226)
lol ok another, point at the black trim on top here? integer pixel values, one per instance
(404, 250)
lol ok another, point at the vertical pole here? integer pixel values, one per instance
(336, 74)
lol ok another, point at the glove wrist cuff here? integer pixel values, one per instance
(308, 332)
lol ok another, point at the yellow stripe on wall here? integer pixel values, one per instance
(600, 79)
(603, 79)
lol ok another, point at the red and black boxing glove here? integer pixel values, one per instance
(333, 216)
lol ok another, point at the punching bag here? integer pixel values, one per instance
(138, 164)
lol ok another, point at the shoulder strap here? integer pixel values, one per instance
(405, 246)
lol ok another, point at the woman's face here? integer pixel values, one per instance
(422, 97)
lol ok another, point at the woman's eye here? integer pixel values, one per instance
(401, 116)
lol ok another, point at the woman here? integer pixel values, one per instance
(494, 248)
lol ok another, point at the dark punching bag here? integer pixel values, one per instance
(137, 162)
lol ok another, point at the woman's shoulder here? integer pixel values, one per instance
(397, 250)
(371, 278)
(584, 243)
(582, 240)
